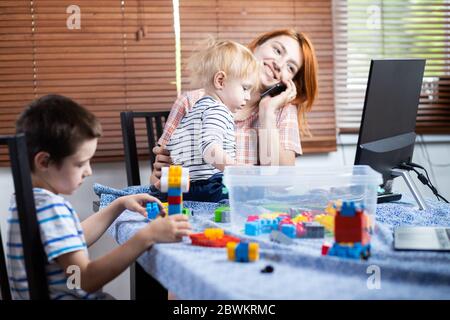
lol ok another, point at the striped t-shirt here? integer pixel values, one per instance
(210, 122)
(61, 233)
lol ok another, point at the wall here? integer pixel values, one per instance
(113, 174)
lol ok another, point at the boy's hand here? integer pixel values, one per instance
(137, 203)
(169, 229)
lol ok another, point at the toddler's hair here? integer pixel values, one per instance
(57, 125)
(212, 56)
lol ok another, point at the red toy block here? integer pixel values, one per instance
(175, 199)
(199, 239)
(351, 229)
(300, 230)
(252, 218)
(325, 248)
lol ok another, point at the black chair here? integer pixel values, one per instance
(33, 251)
(143, 286)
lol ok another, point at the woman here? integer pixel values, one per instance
(267, 130)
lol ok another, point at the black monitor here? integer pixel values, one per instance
(387, 132)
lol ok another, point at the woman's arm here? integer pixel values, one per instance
(271, 151)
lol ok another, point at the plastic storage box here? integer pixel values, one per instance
(257, 190)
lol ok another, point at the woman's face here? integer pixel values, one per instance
(281, 59)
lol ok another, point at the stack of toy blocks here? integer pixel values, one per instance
(243, 251)
(175, 181)
(351, 232)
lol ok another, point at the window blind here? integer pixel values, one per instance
(379, 29)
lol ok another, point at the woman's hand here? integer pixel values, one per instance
(137, 203)
(162, 160)
(268, 106)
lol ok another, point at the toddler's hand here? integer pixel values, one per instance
(137, 203)
(170, 228)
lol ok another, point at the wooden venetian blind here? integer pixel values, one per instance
(121, 58)
(367, 30)
(243, 20)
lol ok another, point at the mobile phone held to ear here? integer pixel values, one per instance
(275, 90)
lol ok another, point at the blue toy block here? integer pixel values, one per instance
(174, 209)
(241, 252)
(348, 209)
(355, 251)
(288, 230)
(174, 192)
(152, 210)
(252, 228)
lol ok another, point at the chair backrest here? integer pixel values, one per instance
(33, 251)
(154, 122)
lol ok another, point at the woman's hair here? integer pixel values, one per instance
(306, 78)
(212, 56)
(57, 125)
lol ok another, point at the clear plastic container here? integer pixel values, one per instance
(254, 190)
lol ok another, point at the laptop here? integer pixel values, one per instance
(422, 238)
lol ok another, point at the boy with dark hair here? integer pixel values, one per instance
(62, 138)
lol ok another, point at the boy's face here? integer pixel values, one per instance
(235, 93)
(70, 175)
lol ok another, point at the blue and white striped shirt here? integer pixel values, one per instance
(209, 122)
(61, 233)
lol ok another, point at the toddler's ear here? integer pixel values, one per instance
(219, 79)
(41, 160)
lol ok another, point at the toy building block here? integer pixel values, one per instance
(267, 225)
(300, 230)
(352, 227)
(252, 218)
(222, 214)
(314, 230)
(325, 220)
(289, 230)
(252, 228)
(278, 237)
(187, 212)
(242, 251)
(350, 251)
(325, 248)
(214, 233)
(152, 209)
(201, 239)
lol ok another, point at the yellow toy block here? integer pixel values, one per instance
(175, 171)
(231, 248)
(253, 251)
(300, 218)
(214, 233)
(325, 220)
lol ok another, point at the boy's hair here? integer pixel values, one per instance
(57, 125)
(212, 56)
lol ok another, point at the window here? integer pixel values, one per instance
(367, 30)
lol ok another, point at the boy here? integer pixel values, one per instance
(62, 138)
(204, 141)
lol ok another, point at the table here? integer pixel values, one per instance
(300, 272)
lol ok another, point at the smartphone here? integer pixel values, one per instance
(275, 90)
